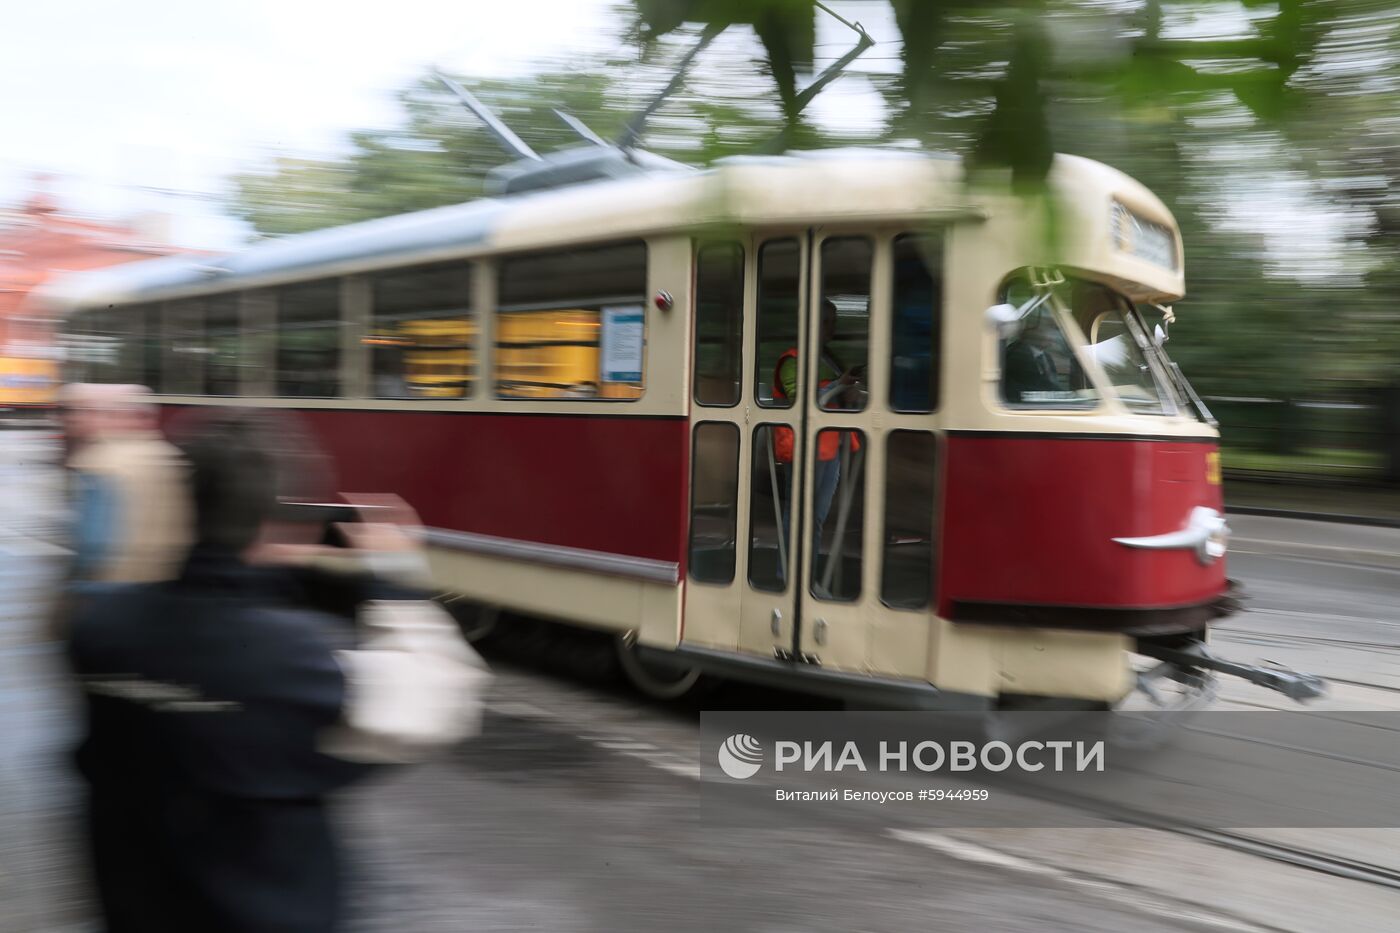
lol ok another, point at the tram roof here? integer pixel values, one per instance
(826, 186)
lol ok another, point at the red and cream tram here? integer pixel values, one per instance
(833, 420)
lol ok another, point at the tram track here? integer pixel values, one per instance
(1388, 688)
(1260, 638)
(1313, 860)
(1311, 639)
(1337, 866)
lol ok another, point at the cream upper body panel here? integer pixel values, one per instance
(992, 234)
(782, 191)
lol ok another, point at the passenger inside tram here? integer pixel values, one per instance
(839, 388)
(837, 480)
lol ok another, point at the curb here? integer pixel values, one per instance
(1374, 521)
(1353, 557)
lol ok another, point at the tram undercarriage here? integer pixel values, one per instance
(1183, 679)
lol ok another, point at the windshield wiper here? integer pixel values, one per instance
(1185, 386)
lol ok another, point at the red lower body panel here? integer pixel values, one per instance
(615, 484)
(1030, 521)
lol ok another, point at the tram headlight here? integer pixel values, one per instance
(1215, 544)
(1213, 534)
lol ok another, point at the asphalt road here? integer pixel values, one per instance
(577, 810)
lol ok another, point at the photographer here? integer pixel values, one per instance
(225, 705)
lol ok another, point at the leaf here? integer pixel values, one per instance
(1017, 134)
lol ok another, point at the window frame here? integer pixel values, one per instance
(469, 311)
(754, 448)
(760, 379)
(937, 313)
(813, 544)
(234, 301)
(700, 247)
(336, 324)
(1076, 341)
(935, 513)
(186, 326)
(733, 511)
(596, 304)
(871, 244)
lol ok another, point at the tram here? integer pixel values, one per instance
(833, 420)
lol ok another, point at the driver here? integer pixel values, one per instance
(844, 385)
(1028, 366)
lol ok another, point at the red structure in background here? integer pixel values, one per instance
(38, 242)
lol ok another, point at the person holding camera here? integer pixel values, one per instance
(224, 707)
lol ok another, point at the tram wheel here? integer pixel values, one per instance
(476, 620)
(658, 681)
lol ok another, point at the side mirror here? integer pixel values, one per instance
(1159, 335)
(998, 315)
(1005, 320)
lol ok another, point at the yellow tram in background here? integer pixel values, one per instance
(28, 386)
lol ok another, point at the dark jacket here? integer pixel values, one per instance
(206, 697)
(1026, 369)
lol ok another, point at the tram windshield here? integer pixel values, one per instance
(1041, 370)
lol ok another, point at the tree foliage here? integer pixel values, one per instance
(441, 154)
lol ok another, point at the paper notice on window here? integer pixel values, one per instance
(623, 338)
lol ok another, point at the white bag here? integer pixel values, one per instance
(413, 686)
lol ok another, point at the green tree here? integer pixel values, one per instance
(442, 155)
(439, 156)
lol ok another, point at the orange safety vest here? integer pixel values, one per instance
(828, 442)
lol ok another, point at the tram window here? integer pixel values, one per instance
(1119, 342)
(184, 372)
(149, 346)
(308, 340)
(910, 547)
(779, 279)
(106, 337)
(838, 514)
(916, 322)
(260, 342)
(714, 501)
(719, 323)
(572, 324)
(85, 350)
(770, 508)
(77, 347)
(224, 355)
(120, 348)
(844, 335)
(1039, 369)
(423, 335)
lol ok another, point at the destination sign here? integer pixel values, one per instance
(1143, 238)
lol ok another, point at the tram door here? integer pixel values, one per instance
(746, 450)
(814, 382)
(867, 533)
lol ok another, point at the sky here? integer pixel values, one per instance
(148, 106)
